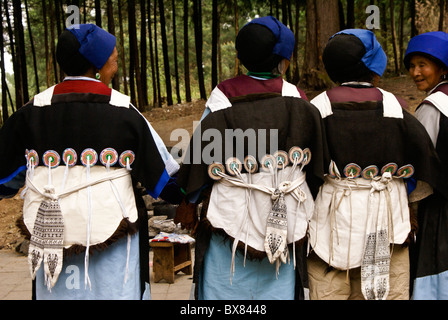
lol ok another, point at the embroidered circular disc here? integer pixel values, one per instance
(110, 155)
(306, 156)
(233, 165)
(51, 159)
(282, 159)
(296, 155)
(33, 158)
(69, 156)
(89, 157)
(352, 170)
(406, 172)
(213, 170)
(370, 172)
(127, 156)
(333, 170)
(250, 164)
(391, 167)
(268, 161)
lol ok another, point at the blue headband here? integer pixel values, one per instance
(285, 37)
(434, 44)
(97, 44)
(375, 58)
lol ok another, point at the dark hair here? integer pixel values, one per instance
(342, 58)
(255, 44)
(68, 56)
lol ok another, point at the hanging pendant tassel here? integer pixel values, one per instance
(276, 231)
(36, 248)
(54, 238)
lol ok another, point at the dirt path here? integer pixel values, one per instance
(164, 121)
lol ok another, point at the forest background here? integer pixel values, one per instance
(173, 52)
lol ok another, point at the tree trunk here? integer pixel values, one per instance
(166, 61)
(215, 27)
(33, 49)
(442, 14)
(111, 29)
(52, 44)
(20, 49)
(151, 57)
(322, 20)
(350, 14)
(394, 36)
(237, 29)
(412, 14)
(186, 55)
(197, 17)
(159, 92)
(295, 65)
(98, 21)
(122, 52)
(143, 53)
(47, 49)
(134, 69)
(176, 65)
(5, 114)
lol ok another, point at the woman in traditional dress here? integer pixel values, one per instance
(249, 241)
(427, 61)
(80, 148)
(362, 222)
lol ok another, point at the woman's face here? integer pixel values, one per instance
(110, 68)
(426, 73)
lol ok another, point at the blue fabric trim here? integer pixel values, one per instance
(13, 175)
(412, 184)
(165, 177)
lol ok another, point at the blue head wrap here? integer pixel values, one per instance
(375, 58)
(97, 44)
(434, 44)
(285, 37)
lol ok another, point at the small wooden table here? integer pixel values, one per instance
(170, 258)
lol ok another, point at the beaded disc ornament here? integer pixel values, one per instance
(333, 170)
(33, 158)
(89, 157)
(406, 172)
(268, 162)
(69, 157)
(51, 159)
(352, 171)
(391, 167)
(110, 155)
(296, 155)
(370, 172)
(250, 164)
(306, 156)
(233, 165)
(214, 169)
(127, 156)
(282, 159)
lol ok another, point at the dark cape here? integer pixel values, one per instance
(298, 124)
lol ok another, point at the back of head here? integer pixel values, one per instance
(71, 61)
(354, 55)
(84, 46)
(263, 43)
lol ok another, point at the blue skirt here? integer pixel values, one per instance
(256, 280)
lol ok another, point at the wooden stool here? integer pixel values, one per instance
(169, 259)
